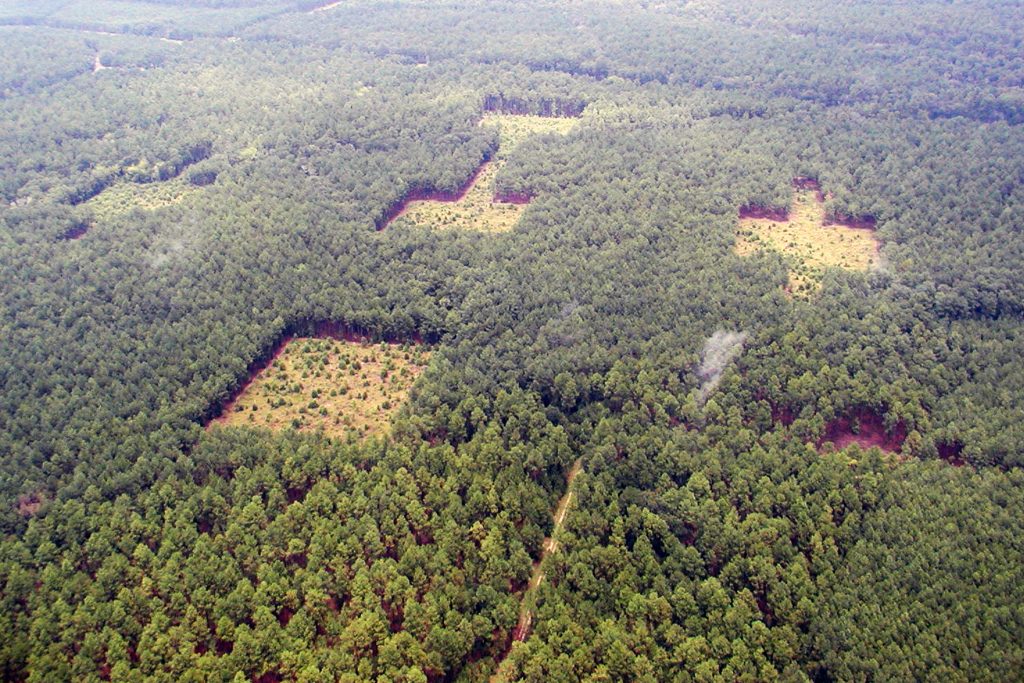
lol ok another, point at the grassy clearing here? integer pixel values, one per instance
(809, 246)
(477, 210)
(514, 129)
(120, 199)
(343, 388)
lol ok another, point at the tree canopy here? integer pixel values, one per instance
(186, 183)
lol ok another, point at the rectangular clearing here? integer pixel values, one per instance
(344, 388)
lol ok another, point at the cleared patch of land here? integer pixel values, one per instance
(513, 129)
(476, 207)
(809, 245)
(98, 65)
(865, 428)
(344, 388)
(122, 197)
(30, 503)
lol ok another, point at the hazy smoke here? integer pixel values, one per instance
(180, 243)
(719, 350)
(881, 265)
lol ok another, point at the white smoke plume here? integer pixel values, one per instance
(180, 241)
(719, 350)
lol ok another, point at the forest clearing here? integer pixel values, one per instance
(867, 429)
(124, 197)
(476, 206)
(806, 239)
(343, 388)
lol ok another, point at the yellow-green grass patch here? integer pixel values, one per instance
(810, 247)
(477, 209)
(121, 198)
(343, 388)
(513, 129)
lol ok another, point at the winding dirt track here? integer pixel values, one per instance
(550, 545)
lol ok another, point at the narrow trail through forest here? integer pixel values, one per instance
(550, 545)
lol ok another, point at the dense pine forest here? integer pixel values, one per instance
(603, 441)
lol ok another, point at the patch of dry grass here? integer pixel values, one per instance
(477, 210)
(808, 244)
(344, 388)
(121, 198)
(513, 129)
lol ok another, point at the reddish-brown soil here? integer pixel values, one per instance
(783, 415)
(870, 432)
(810, 185)
(802, 183)
(856, 222)
(76, 231)
(952, 452)
(804, 233)
(513, 197)
(420, 194)
(774, 213)
(479, 202)
(261, 363)
(30, 503)
(352, 333)
(771, 213)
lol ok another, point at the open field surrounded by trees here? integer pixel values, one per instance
(335, 386)
(812, 244)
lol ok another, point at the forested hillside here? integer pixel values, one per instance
(811, 484)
